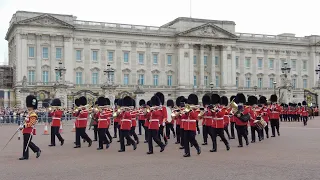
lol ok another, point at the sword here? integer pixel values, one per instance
(10, 139)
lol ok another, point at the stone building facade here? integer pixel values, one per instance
(181, 57)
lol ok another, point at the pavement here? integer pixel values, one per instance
(292, 156)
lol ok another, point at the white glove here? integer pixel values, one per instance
(21, 127)
(163, 124)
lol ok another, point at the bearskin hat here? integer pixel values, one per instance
(116, 101)
(215, 99)
(252, 100)
(304, 103)
(233, 98)
(155, 101)
(149, 103)
(240, 98)
(120, 102)
(224, 100)
(206, 100)
(161, 97)
(142, 102)
(273, 98)
(31, 101)
(133, 102)
(77, 102)
(193, 99)
(263, 100)
(170, 103)
(101, 101)
(299, 104)
(108, 102)
(83, 101)
(56, 102)
(127, 101)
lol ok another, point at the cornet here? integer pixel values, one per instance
(116, 113)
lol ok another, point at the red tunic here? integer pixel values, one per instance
(184, 117)
(304, 111)
(218, 118)
(208, 117)
(226, 117)
(103, 119)
(275, 113)
(141, 116)
(30, 122)
(164, 115)
(134, 118)
(125, 123)
(253, 115)
(239, 122)
(81, 121)
(117, 119)
(265, 113)
(191, 122)
(154, 117)
(56, 118)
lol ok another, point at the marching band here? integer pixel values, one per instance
(157, 120)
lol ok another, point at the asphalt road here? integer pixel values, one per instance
(292, 156)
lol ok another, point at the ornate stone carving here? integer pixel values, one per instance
(186, 54)
(234, 48)
(24, 82)
(277, 51)
(242, 50)
(179, 45)
(207, 31)
(103, 41)
(155, 71)
(265, 51)
(254, 50)
(288, 52)
(86, 40)
(299, 53)
(24, 36)
(118, 43)
(133, 43)
(66, 38)
(224, 47)
(163, 45)
(148, 44)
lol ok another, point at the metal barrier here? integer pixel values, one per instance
(11, 119)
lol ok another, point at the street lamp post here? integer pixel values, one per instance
(61, 70)
(274, 87)
(255, 90)
(108, 87)
(211, 86)
(110, 74)
(287, 84)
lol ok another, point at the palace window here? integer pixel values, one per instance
(31, 52)
(95, 78)
(304, 65)
(294, 83)
(126, 57)
(45, 77)
(141, 58)
(217, 81)
(95, 56)
(31, 75)
(141, 79)
(293, 65)
(260, 82)
(155, 80)
(206, 80)
(169, 59)
(260, 63)
(45, 53)
(271, 80)
(169, 80)
(58, 53)
(205, 60)
(110, 56)
(237, 62)
(78, 78)
(155, 58)
(305, 83)
(57, 76)
(195, 60)
(271, 63)
(78, 55)
(237, 81)
(248, 62)
(194, 80)
(248, 82)
(216, 61)
(126, 79)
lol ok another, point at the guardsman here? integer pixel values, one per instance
(254, 114)
(28, 128)
(241, 121)
(190, 126)
(146, 122)
(170, 120)
(126, 124)
(81, 123)
(226, 118)
(154, 117)
(116, 120)
(304, 113)
(134, 115)
(109, 115)
(102, 114)
(164, 117)
(232, 120)
(141, 116)
(94, 123)
(265, 111)
(177, 119)
(56, 115)
(206, 119)
(184, 117)
(218, 120)
(274, 115)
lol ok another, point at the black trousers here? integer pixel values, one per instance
(242, 132)
(141, 124)
(190, 137)
(169, 127)
(182, 137)
(178, 133)
(108, 134)
(205, 132)
(226, 129)
(133, 133)
(153, 135)
(275, 125)
(31, 145)
(160, 133)
(81, 132)
(102, 137)
(305, 120)
(116, 129)
(232, 126)
(255, 129)
(218, 132)
(125, 134)
(55, 132)
(146, 132)
(95, 132)
(266, 129)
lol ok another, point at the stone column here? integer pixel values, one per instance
(38, 75)
(62, 94)
(254, 66)
(52, 59)
(213, 64)
(148, 61)
(201, 78)
(162, 63)
(139, 95)
(69, 59)
(118, 62)
(241, 68)
(86, 74)
(25, 55)
(233, 67)
(266, 68)
(5, 99)
(133, 78)
(183, 66)
(225, 70)
(19, 66)
(191, 66)
(278, 68)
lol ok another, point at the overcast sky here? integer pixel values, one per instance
(251, 16)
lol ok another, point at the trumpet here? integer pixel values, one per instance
(116, 113)
(152, 108)
(202, 111)
(175, 112)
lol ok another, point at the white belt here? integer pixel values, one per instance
(102, 119)
(154, 120)
(207, 117)
(191, 120)
(56, 118)
(128, 120)
(183, 120)
(82, 119)
(304, 111)
(218, 118)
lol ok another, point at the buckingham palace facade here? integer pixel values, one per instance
(184, 56)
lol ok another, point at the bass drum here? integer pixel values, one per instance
(169, 112)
